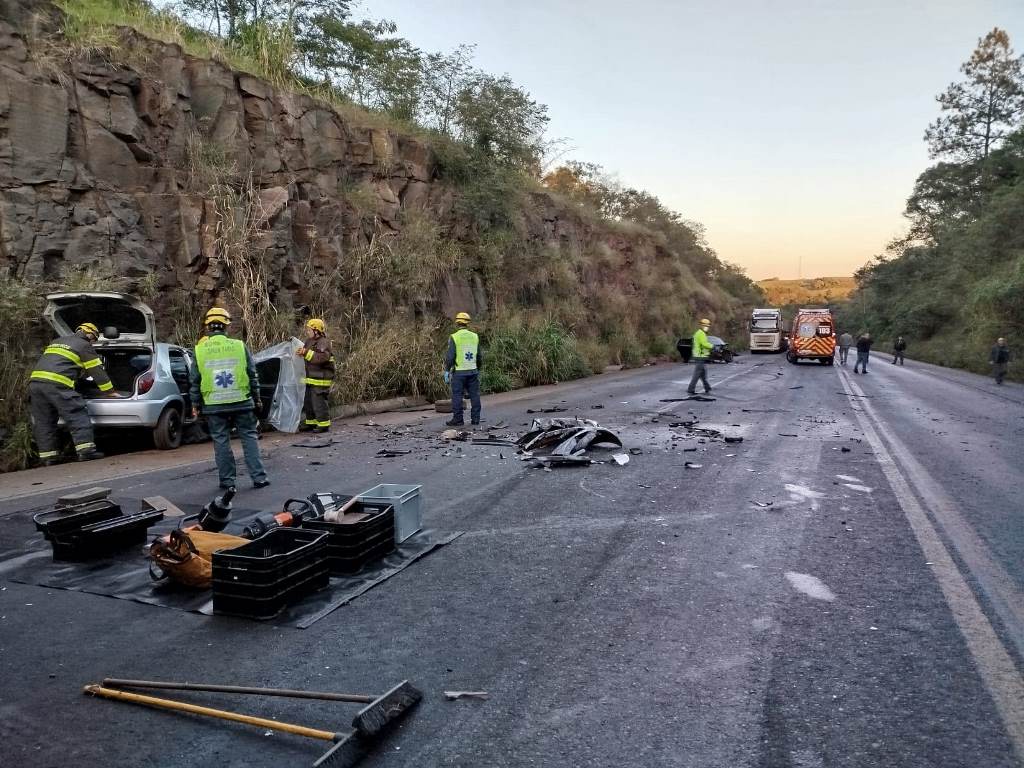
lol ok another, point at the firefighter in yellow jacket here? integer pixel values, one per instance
(316, 410)
(53, 395)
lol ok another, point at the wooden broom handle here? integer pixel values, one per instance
(181, 706)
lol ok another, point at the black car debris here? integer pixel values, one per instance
(720, 352)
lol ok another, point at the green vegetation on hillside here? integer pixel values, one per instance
(955, 282)
(812, 291)
(555, 312)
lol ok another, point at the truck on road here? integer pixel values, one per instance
(766, 331)
(812, 337)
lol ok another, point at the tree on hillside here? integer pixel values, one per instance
(445, 76)
(981, 110)
(501, 120)
(583, 183)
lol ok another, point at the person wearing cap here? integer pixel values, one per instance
(701, 354)
(462, 369)
(224, 386)
(53, 395)
(319, 377)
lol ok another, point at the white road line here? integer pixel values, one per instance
(717, 383)
(993, 661)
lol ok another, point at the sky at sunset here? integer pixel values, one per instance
(792, 129)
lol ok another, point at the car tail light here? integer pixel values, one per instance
(145, 382)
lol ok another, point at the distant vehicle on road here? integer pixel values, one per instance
(720, 352)
(812, 337)
(766, 331)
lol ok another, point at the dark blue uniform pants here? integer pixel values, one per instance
(470, 382)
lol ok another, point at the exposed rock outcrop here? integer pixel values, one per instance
(116, 161)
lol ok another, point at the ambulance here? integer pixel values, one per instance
(812, 337)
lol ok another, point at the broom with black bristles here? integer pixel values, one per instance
(349, 747)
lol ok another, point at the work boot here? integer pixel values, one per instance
(257, 484)
(454, 423)
(321, 430)
(475, 422)
(52, 462)
(307, 428)
(90, 455)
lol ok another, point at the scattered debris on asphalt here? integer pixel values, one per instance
(550, 409)
(315, 443)
(622, 459)
(455, 434)
(762, 503)
(565, 441)
(788, 434)
(456, 695)
(692, 465)
(733, 439)
(390, 453)
(798, 386)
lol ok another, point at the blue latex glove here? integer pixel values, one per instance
(447, 377)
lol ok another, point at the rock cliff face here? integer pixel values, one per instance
(110, 161)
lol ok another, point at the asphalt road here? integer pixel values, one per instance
(842, 588)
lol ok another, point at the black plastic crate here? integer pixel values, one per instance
(262, 578)
(351, 546)
(104, 537)
(63, 520)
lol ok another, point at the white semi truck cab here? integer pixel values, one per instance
(766, 331)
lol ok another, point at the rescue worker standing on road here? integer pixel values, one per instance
(53, 395)
(462, 370)
(225, 387)
(701, 353)
(319, 377)
(845, 342)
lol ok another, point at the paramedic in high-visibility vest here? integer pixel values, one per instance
(52, 393)
(701, 356)
(319, 359)
(462, 370)
(225, 388)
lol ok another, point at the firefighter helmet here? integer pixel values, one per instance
(462, 318)
(89, 328)
(217, 315)
(316, 324)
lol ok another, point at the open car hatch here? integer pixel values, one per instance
(122, 319)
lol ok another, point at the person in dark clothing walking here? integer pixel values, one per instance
(999, 359)
(53, 396)
(319, 377)
(225, 387)
(899, 347)
(462, 364)
(863, 352)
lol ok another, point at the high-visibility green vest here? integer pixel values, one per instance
(701, 345)
(466, 345)
(222, 370)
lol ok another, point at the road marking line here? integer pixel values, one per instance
(717, 383)
(994, 664)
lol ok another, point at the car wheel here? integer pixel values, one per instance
(167, 435)
(791, 358)
(727, 357)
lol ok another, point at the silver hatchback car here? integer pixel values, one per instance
(151, 377)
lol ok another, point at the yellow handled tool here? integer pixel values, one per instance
(195, 709)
